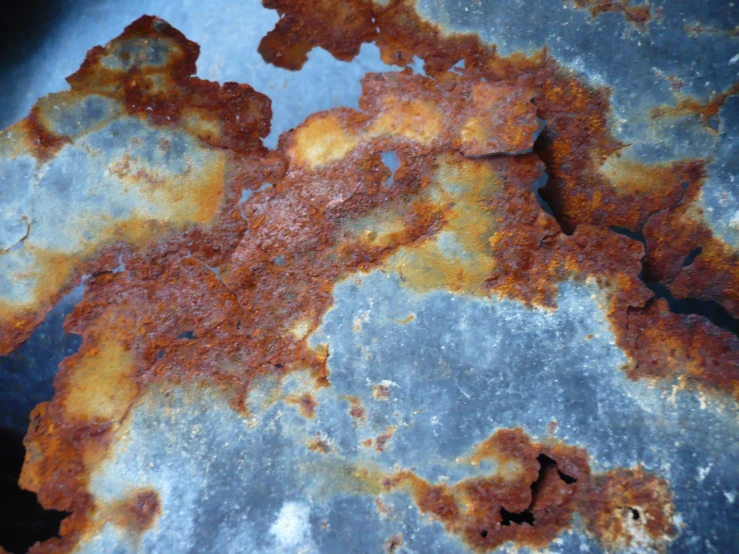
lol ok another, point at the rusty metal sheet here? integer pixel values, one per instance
(446, 319)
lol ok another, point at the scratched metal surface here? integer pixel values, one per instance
(463, 366)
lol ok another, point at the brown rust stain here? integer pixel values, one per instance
(306, 404)
(356, 410)
(459, 217)
(381, 392)
(638, 15)
(592, 187)
(707, 111)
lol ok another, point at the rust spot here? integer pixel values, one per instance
(699, 28)
(319, 444)
(356, 410)
(407, 319)
(384, 509)
(138, 512)
(306, 404)
(382, 440)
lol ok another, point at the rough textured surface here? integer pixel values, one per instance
(414, 325)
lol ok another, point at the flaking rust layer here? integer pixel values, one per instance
(167, 141)
(222, 295)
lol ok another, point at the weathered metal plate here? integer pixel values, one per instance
(488, 305)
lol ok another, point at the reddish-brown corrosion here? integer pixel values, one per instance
(589, 183)
(356, 410)
(305, 403)
(708, 111)
(138, 512)
(638, 15)
(533, 493)
(319, 444)
(698, 28)
(330, 215)
(231, 118)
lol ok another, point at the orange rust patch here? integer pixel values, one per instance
(592, 185)
(406, 320)
(630, 509)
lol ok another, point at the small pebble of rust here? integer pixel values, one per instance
(381, 442)
(380, 392)
(356, 410)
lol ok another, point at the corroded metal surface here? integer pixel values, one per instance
(312, 349)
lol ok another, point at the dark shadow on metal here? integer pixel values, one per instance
(26, 379)
(24, 521)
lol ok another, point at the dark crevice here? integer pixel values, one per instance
(547, 195)
(634, 514)
(539, 184)
(633, 235)
(189, 335)
(24, 520)
(546, 465)
(710, 309)
(690, 258)
(569, 480)
(525, 516)
(518, 518)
